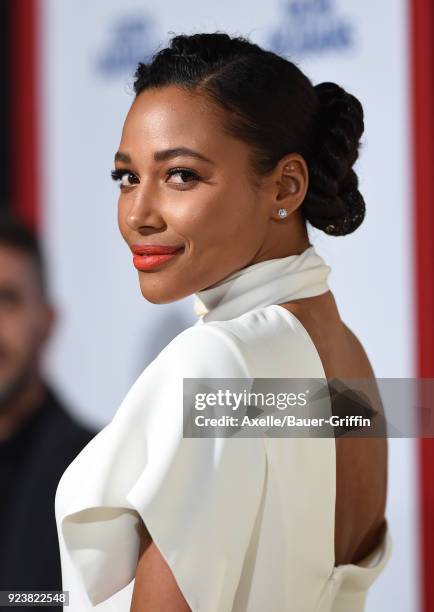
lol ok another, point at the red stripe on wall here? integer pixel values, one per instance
(24, 109)
(421, 18)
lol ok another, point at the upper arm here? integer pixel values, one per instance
(197, 523)
(198, 497)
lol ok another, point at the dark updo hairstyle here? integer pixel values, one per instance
(274, 108)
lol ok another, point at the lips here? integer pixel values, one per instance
(154, 249)
(148, 256)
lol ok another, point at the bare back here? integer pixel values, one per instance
(361, 463)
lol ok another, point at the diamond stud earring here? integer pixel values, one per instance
(282, 212)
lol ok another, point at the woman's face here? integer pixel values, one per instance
(206, 208)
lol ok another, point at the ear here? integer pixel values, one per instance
(291, 177)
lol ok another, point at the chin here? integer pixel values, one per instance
(162, 295)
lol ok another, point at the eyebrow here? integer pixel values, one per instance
(166, 154)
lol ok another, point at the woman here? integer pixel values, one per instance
(226, 152)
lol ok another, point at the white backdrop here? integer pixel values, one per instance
(106, 332)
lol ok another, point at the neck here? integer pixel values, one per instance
(263, 283)
(280, 245)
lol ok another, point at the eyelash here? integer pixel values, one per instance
(118, 174)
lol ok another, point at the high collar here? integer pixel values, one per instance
(273, 281)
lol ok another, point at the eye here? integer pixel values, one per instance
(183, 171)
(125, 177)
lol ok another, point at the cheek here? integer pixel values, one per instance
(15, 343)
(213, 220)
(20, 331)
(121, 216)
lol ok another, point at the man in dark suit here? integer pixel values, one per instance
(38, 436)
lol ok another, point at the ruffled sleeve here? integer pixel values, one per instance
(198, 497)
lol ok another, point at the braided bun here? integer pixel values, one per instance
(333, 202)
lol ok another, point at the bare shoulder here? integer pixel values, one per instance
(352, 338)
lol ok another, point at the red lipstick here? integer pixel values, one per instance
(149, 256)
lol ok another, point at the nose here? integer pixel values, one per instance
(142, 211)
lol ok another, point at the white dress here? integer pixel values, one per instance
(245, 524)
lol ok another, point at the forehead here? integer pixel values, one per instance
(171, 116)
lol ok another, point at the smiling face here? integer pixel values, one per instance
(202, 203)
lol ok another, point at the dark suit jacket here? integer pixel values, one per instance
(32, 462)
